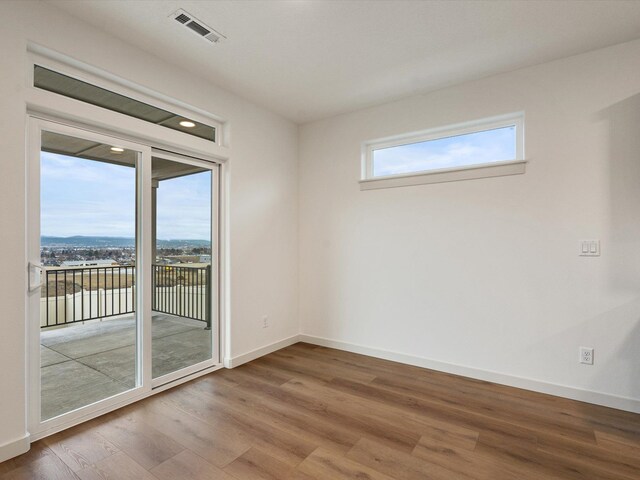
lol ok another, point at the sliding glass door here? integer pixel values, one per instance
(122, 273)
(184, 277)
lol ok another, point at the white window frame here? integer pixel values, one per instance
(467, 172)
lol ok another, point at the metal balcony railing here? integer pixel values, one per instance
(182, 291)
(88, 293)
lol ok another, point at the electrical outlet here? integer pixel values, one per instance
(265, 321)
(586, 355)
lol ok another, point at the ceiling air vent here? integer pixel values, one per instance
(182, 18)
(196, 26)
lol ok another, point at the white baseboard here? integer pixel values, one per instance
(231, 362)
(14, 448)
(598, 398)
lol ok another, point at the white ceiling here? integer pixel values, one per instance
(310, 59)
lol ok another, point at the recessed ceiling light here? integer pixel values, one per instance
(117, 149)
(187, 124)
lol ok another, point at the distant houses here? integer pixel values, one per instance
(107, 262)
(179, 259)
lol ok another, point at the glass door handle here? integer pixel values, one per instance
(35, 276)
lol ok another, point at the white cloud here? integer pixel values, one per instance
(472, 149)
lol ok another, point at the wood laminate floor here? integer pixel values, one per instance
(308, 412)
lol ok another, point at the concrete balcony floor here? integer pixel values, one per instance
(81, 364)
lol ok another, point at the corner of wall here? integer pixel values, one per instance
(232, 362)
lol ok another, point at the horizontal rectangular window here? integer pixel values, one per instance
(478, 145)
(85, 92)
(497, 145)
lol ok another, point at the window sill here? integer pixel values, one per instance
(486, 170)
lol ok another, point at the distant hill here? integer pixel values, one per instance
(117, 242)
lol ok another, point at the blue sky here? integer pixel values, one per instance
(184, 207)
(89, 198)
(470, 149)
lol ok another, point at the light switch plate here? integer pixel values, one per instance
(589, 248)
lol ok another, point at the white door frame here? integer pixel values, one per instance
(143, 277)
(215, 266)
(145, 386)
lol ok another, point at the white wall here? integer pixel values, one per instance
(263, 189)
(485, 273)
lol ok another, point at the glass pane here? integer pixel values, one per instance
(459, 151)
(88, 250)
(182, 270)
